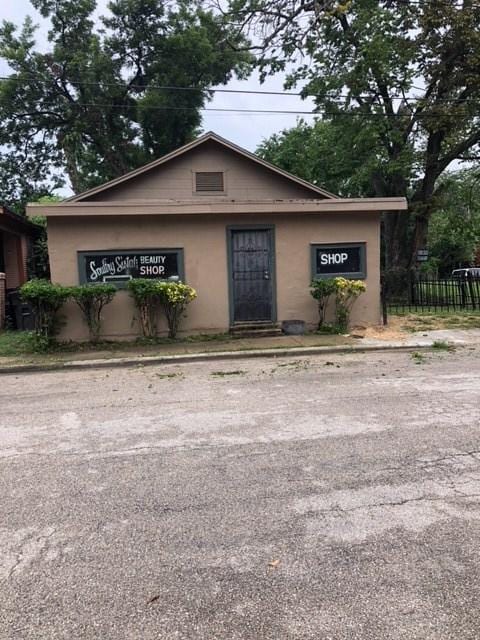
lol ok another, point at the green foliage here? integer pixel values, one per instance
(322, 289)
(17, 343)
(171, 297)
(89, 104)
(418, 357)
(397, 81)
(46, 300)
(39, 264)
(323, 154)
(91, 300)
(454, 234)
(174, 298)
(346, 292)
(145, 296)
(442, 345)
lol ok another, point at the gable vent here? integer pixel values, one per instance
(209, 181)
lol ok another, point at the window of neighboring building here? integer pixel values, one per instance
(209, 182)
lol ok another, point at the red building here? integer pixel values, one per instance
(16, 234)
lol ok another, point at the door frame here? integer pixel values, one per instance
(273, 275)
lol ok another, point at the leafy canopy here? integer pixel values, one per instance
(454, 238)
(398, 79)
(323, 154)
(91, 106)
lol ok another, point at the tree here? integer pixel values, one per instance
(93, 106)
(323, 154)
(39, 264)
(402, 74)
(23, 177)
(454, 237)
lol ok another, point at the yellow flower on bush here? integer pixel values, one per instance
(175, 292)
(349, 287)
(174, 297)
(346, 292)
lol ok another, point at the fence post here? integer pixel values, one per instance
(383, 298)
(411, 288)
(471, 290)
(463, 291)
(3, 299)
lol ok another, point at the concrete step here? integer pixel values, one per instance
(256, 330)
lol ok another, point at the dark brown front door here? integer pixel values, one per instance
(252, 266)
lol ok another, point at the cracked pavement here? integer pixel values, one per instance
(327, 497)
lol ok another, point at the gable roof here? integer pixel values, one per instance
(192, 145)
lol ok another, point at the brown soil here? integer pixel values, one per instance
(395, 330)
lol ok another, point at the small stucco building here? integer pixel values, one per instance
(248, 236)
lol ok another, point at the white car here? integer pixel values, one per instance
(473, 272)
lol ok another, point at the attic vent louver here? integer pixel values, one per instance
(209, 181)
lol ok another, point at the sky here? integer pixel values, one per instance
(245, 129)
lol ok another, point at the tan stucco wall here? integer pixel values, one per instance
(204, 241)
(244, 180)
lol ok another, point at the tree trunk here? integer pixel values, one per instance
(420, 238)
(397, 242)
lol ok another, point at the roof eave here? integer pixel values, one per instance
(264, 207)
(16, 222)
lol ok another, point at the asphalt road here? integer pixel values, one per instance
(262, 499)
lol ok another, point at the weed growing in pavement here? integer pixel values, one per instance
(418, 358)
(442, 345)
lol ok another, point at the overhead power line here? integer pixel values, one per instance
(339, 99)
(437, 3)
(356, 114)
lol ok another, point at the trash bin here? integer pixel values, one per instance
(19, 313)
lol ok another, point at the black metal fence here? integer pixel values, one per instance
(411, 291)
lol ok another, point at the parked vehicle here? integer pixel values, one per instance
(473, 272)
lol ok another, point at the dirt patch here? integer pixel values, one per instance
(401, 326)
(394, 330)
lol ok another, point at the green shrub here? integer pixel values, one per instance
(145, 296)
(92, 298)
(174, 298)
(171, 297)
(322, 289)
(46, 299)
(346, 292)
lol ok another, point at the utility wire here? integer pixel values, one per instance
(267, 111)
(436, 3)
(341, 99)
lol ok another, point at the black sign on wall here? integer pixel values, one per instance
(118, 267)
(347, 260)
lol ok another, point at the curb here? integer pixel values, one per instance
(210, 356)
